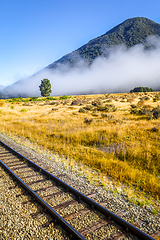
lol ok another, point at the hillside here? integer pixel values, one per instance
(130, 33)
(1, 87)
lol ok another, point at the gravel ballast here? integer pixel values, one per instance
(16, 219)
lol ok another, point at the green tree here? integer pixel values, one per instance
(45, 88)
(141, 89)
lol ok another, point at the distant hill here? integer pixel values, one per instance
(1, 87)
(131, 32)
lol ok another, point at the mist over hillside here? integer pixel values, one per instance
(1, 87)
(131, 32)
(125, 57)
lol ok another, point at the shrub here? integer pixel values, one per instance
(89, 107)
(106, 108)
(156, 97)
(23, 110)
(154, 129)
(1, 103)
(33, 99)
(54, 103)
(101, 107)
(82, 110)
(95, 114)
(77, 102)
(54, 109)
(129, 100)
(156, 112)
(88, 121)
(149, 114)
(65, 97)
(66, 101)
(146, 110)
(108, 100)
(104, 115)
(141, 103)
(27, 104)
(15, 100)
(134, 109)
(86, 108)
(154, 211)
(51, 98)
(97, 103)
(146, 98)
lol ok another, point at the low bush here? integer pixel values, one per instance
(106, 108)
(88, 121)
(34, 99)
(156, 97)
(104, 115)
(96, 103)
(56, 103)
(1, 103)
(151, 113)
(89, 107)
(15, 100)
(51, 98)
(83, 110)
(23, 110)
(156, 112)
(77, 102)
(54, 109)
(65, 97)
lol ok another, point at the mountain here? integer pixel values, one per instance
(130, 33)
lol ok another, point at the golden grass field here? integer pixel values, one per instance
(94, 130)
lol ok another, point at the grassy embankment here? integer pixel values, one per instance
(98, 131)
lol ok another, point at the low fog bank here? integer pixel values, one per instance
(123, 70)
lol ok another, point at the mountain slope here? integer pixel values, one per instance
(130, 32)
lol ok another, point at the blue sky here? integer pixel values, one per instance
(35, 33)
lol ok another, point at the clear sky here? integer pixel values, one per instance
(35, 33)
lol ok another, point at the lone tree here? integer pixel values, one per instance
(45, 88)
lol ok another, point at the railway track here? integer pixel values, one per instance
(79, 215)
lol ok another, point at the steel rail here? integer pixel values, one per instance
(129, 227)
(50, 210)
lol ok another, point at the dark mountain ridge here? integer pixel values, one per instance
(130, 32)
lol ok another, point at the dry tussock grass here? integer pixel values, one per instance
(105, 136)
